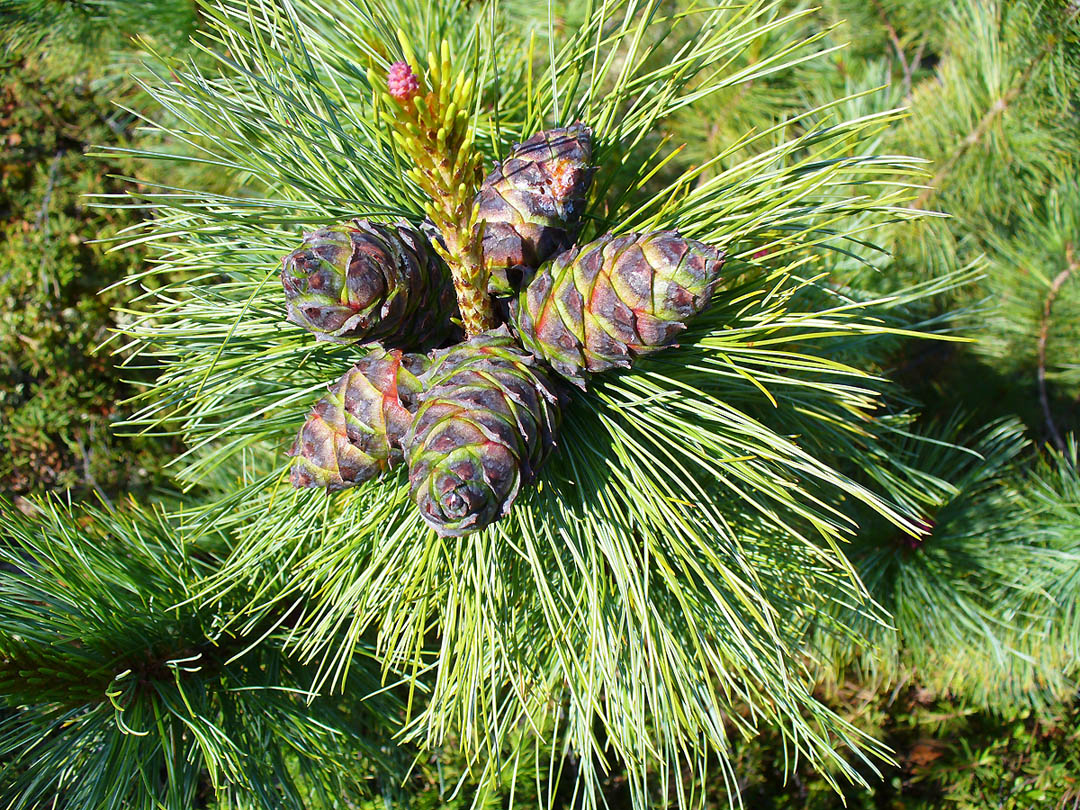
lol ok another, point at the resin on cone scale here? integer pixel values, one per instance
(531, 203)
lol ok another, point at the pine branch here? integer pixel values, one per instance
(120, 690)
(698, 500)
(1027, 258)
(1044, 332)
(895, 39)
(978, 132)
(983, 600)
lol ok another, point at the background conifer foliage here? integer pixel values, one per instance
(845, 507)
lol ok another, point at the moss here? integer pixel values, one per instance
(59, 397)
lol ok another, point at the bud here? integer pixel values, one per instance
(402, 82)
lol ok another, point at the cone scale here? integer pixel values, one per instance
(366, 281)
(356, 432)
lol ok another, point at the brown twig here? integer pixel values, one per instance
(913, 65)
(88, 472)
(1044, 332)
(977, 133)
(893, 37)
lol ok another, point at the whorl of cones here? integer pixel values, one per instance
(476, 420)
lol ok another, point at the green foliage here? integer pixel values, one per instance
(727, 532)
(947, 756)
(978, 603)
(990, 98)
(1012, 765)
(999, 120)
(1035, 275)
(130, 695)
(687, 504)
(57, 33)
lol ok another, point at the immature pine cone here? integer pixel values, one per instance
(368, 281)
(532, 202)
(355, 432)
(486, 422)
(401, 82)
(597, 306)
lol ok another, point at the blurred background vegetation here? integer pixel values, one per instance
(68, 69)
(991, 87)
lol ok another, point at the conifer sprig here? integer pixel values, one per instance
(118, 691)
(431, 113)
(688, 506)
(977, 601)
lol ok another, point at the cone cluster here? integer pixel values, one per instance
(474, 419)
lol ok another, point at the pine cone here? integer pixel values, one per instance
(368, 281)
(597, 306)
(532, 201)
(486, 422)
(355, 432)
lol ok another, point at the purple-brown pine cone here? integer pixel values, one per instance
(532, 202)
(368, 281)
(487, 420)
(598, 306)
(356, 431)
